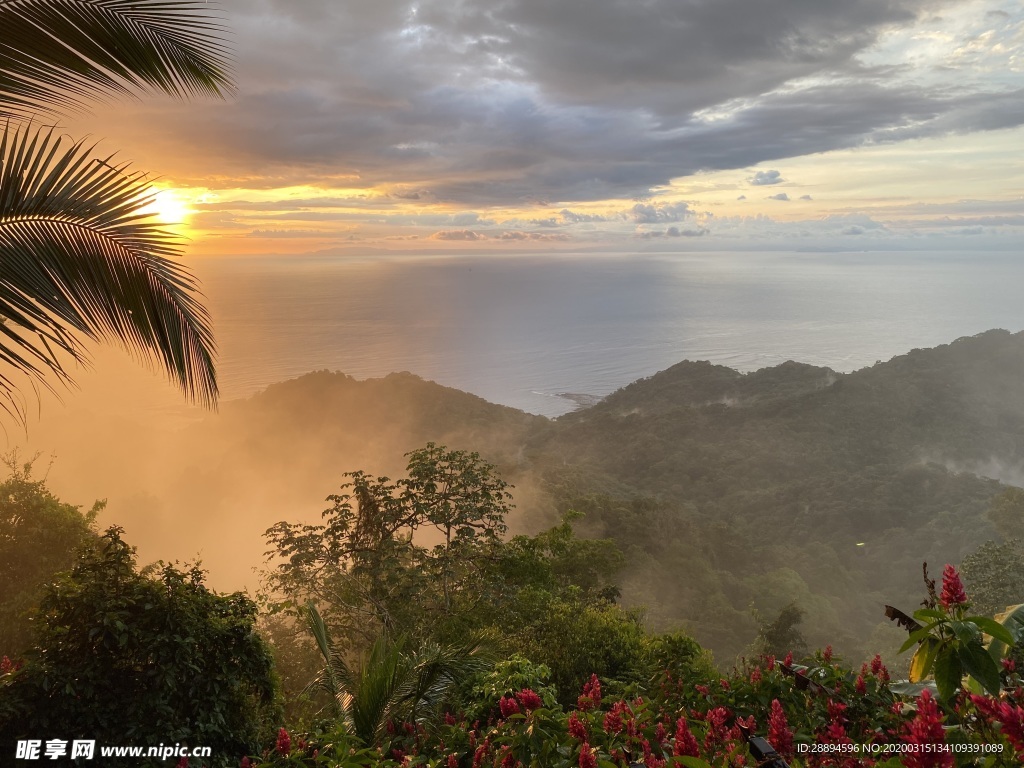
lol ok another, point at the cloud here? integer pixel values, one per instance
(517, 235)
(763, 178)
(673, 232)
(466, 218)
(652, 213)
(780, 196)
(742, 197)
(578, 218)
(458, 234)
(482, 103)
(805, 197)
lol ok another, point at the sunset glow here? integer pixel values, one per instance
(713, 131)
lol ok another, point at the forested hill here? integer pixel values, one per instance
(727, 491)
(798, 481)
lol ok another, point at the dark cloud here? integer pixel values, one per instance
(762, 178)
(576, 100)
(781, 196)
(805, 197)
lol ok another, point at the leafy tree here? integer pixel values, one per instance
(366, 563)
(576, 638)
(78, 257)
(782, 635)
(129, 657)
(39, 535)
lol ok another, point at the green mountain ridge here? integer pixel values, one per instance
(727, 491)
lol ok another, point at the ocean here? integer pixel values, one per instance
(525, 330)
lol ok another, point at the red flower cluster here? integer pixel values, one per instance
(577, 728)
(587, 758)
(284, 742)
(926, 728)
(952, 588)
(686, 742)
(508, 706)
(591, 697)
(779, 734)
(1010, 718)
(529, 699)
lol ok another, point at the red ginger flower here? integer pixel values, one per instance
(755, 676)
(1009, 716)
(577, 729)
(246, 762)
(453, 761)
(591, 697)
(284, 742)
(529, 699)
(860, 686)
(952, 588)
(827, 654)
(686, 742)
(926, 728)
(587, 758)
(779, 734)
(613, 722)
(508, 706)
(876, 664)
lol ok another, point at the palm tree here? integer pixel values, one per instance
(392, 683)
(79, 257)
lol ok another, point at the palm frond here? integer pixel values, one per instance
(335, 678)
(56, 54)
(78, 256)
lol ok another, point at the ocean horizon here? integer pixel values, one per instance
(525, 330)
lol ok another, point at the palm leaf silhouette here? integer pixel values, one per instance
(57, 54)
(78, 257)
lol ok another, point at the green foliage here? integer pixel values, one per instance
(125, 657)
(365, 564)
(782, 635)
(392, 683)
(39, 535)
(950, 643)
(576, 638)
(506, 678)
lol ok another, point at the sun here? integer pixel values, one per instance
(170, 207)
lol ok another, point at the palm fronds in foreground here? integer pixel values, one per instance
(79, 257)
(56, 54)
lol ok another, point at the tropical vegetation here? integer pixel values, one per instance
(520, 656)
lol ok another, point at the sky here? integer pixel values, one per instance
(596, 124)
